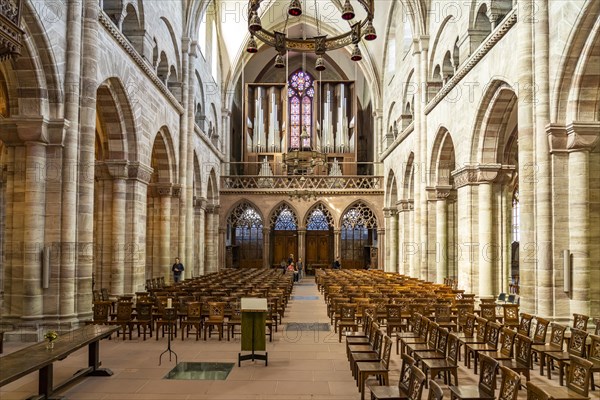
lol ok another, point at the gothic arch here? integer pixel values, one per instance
(442, 159)
(212, 188)
(408, 186)
(274, 214)
(324, 209)
(235, 214)
(391, 190)
(197, 182)
(445, 29)
(173, 38)
(163, 158)
(364, 215)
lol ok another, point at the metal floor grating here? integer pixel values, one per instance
(208, 371)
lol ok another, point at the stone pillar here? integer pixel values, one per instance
(411, 249)
(201, 242)
(486, 248)
(528, 247)
(183, 156)
(423, 208)
(137, 209)
(219, 251)
(221, 247)
(386, 217)
(33, 229)
(266, 246)
(403, 223)
(378, 135)
(68, 204)
(302, 246)
(337, 244)
(393, 241)
(381, 248)
(419, 116)
(191, 237)
(468, 274)
(166, 258)
(543, 171)
(209, 244)
(87, 158)
(441, 235)
(118, 170)
(581, 138)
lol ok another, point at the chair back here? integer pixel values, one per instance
(417, 381)
(577, 342)
(481, 330)
(557, 335)
(101, 311)
(597, 329)
(578, 378)
(507, 341)
(405, 372)
(433, 335)
(347, 312)
(523, 350)
(594, 353)
(541, 329)
(487, 374)
(124, 310)
(493, 334)
(105, 296)
(525, 324)
(510, 384)
(452, 356)
(417, 323)
(511, 314)
(469, 325)
(216, 311)
(488, 311)
(386, 352)
(425, 328)
(393, 312)
(143, 311)
(435, 391)
(442, 341)
(96, 296)
(580, 321)
(194, 310)
(534, 392)
(443, 312)
(462, 312)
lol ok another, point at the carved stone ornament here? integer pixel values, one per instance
(10, 30)
(583, 135)
(139, 171)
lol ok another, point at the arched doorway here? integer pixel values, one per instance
(319, 237)
(244, 237)
(358, 244)
(284, 234)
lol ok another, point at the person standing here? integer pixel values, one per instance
(336, 263)
(300, 267)
(177, 270)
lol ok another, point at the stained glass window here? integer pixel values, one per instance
(319, 219)
(247, 226)
(284, 219)
(301, 92)
(359, 231)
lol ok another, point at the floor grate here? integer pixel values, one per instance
(208, 371)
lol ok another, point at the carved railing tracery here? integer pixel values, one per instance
(291, 182)
(10, 30)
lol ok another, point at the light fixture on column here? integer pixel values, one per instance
(252, 46)
(319, 44)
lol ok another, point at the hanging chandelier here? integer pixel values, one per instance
(319, 44)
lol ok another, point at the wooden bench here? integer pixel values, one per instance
(37, 358)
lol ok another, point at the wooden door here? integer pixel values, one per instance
(284, 244)
(319, 249)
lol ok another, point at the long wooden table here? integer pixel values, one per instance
(37, 358)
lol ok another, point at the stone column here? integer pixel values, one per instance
(381, 248)
(68, 205)
(419, 116)
(118, 171)
(528, 247)
(191, 237)
(411, 249)
(166, 258)
(468, 274)
(393, 241)
(302, 246)
(424, 218)
(137, 209)
(221, 258)
(378, 135)
(87, 158)
(337, 244)
(441, 234)
(219, 247)
(183, 156)
(33, 229)
(266, 246)
(581, 138)
(543, 171)
(386, 257)
(403, 223)
(209, 243)
(201, 242)
(486, 248)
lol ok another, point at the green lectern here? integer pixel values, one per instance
(254, 317)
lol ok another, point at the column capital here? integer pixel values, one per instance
(440, 192)
(583, 135)
(478, 173)
(185, 44)
(176, 190)
(163, 189)
(140, 172)
(390, 212)
(118, 169)
(200, 202)
(301, 231)
(101, 171)
(423, 43)
(405, 205)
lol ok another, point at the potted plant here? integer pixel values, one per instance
(50, 337)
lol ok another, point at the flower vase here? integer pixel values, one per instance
(49, 344)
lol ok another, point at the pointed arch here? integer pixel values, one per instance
(163, 159)
(320, 219)
(197, 182)
(212, 188)
(359, 213)
(391, 190)
(408, 185)
(283, 217)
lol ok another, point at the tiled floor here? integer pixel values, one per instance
(303, 364)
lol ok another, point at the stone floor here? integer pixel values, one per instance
(305, 364)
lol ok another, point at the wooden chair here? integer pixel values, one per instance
(576, 348)
(417, 325)
(487, 382)
(594, 357)
(521, 364)
(435, 391)
(143, 319)
(511, 315)
(448, 366)
(363, 335)
(480, 335)
(96, 296)
(347, 319)
(488, 311)
(234, 321)
(491, 344)
(216, 318)
(378, 369)
(463, 311)
(367, 356)
(123, 318)
(369, 347)
(507, 340)
(430, 344)
(406, 390)
(541, 329)
(439, 353)
(580, 321)
(444, 318)
(424, 331)
(578, 381)
(101, 310)
(535, 392)
(557, 333)
(524, 327)
(193, 320)
(393, 320)
(510, 384)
